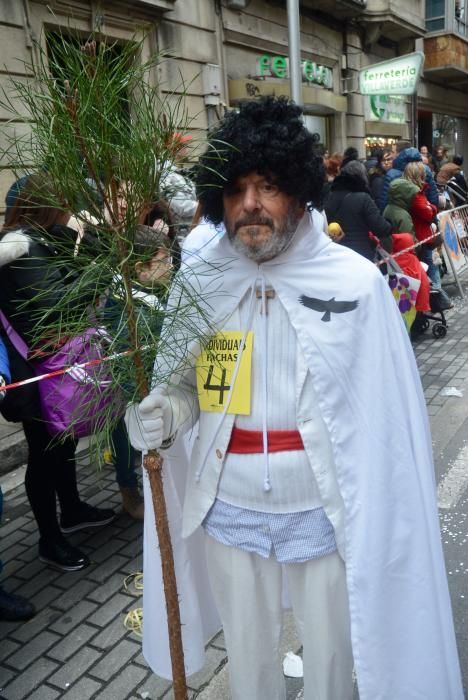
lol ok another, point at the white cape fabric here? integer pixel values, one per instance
(199, 618)
(401, 621)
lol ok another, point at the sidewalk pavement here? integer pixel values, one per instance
(77, 647)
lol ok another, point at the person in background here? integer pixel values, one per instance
(332, 169)
(440, 157)
(377, 172)
(398, 210)
(405, 155)
(460, 177)
(452, 185)
(12, 607)
(350, 154)
(177, 187)
(161, 218)
(30, 289)
(373, 159)
(411, 265)
(423, 215)
(350, 205)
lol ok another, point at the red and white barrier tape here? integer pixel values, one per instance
(406, 250)
(69, 370)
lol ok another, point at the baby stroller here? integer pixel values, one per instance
(439, 328)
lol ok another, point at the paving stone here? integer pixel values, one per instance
(123, 685)
(45, 692)
(111, 634)
(30, 526)
(9, 526)
(135, 564)
(114, 584)
(6, 675)
(26, 682)
(72, 617)
(105, 536)
(115, 659)
(29, 652)
(74, 594)
(84, 689)
(107, 549)
(107, 568)
(76, 667)
(30, 554)
(45, 597)
(115, 605)
(133, 532)
(12, 552)
(218, 641)
(73, 641)
(11, 567)
(44, 576)
(7, 647)
(42, 621)
(170, 695)
(154, 685)
(7, 541)
(214, 659)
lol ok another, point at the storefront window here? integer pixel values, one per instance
(372, 142)
(446, 131)
(318, 125)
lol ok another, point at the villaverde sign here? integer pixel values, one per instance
(278, 67)
(399, 76)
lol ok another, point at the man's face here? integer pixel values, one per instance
(387, 161)
(260, 219)
(424, 151)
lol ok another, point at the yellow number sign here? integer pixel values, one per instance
(215, 372)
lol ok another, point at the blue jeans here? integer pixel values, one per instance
(124, 457)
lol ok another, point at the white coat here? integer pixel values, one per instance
(380, 496)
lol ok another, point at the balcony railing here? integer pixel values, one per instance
(449, 16)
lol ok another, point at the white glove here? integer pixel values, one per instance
(149, 422)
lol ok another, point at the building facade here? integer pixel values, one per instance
(225, 51)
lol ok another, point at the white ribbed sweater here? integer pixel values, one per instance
(293, 485)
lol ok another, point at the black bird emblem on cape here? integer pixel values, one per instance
(329, 306)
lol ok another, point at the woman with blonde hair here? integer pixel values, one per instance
(423, 214)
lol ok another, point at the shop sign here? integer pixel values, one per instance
(399, 76)
(278, 67)
(390, 109)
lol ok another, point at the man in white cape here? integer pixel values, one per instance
(305, 464)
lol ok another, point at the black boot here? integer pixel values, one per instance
(14, 607)
(61, 555)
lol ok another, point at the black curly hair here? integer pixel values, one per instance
(266, 136)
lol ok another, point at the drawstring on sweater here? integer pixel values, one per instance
(266, 479)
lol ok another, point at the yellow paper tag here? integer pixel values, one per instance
(215, 370)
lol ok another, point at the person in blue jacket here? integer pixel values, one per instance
(405, 155)
(12, 607)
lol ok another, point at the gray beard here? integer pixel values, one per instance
(279, 240)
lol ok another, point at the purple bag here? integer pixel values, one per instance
(81, 400)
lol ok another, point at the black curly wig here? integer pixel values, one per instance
(266, 136)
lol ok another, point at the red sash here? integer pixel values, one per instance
(251, 441)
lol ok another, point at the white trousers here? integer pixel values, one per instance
(247, 591)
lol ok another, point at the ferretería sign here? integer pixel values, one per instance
(399, 76)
